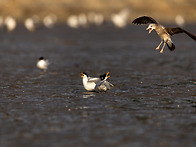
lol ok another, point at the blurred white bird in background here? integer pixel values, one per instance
(72, 21)
(50, 20)
(10, 23)
(120, 19)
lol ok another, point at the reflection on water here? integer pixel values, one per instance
(88, 95)
(152, 104)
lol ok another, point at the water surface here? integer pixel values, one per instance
(153, 102)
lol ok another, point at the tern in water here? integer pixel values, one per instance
(96, 84)
(43, 63)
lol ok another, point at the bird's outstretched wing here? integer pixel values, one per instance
(178, 30)
(144, 20)
(90, 79)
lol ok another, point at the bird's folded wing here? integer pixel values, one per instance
(107, 84)
(48, 62)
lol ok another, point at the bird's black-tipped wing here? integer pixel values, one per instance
(173, 31)
(144, 20)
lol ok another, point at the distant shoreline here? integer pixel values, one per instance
(165, 11)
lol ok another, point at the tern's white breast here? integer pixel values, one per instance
(42, 64)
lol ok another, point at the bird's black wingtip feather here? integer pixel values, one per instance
(144, 20)
(135, 22)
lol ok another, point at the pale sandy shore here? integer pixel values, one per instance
(165, 10)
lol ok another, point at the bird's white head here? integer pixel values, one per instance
(151, 27)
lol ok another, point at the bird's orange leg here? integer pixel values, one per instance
(159, 45)
(162, 48)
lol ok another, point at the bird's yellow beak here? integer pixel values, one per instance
(82, 75)
(107, 74)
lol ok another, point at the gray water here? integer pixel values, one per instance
(153, 102)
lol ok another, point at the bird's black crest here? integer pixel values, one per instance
(41, 58)
(102, 77)
(144, 20)
(85, 74)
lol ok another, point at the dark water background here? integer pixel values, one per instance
(153, 102)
